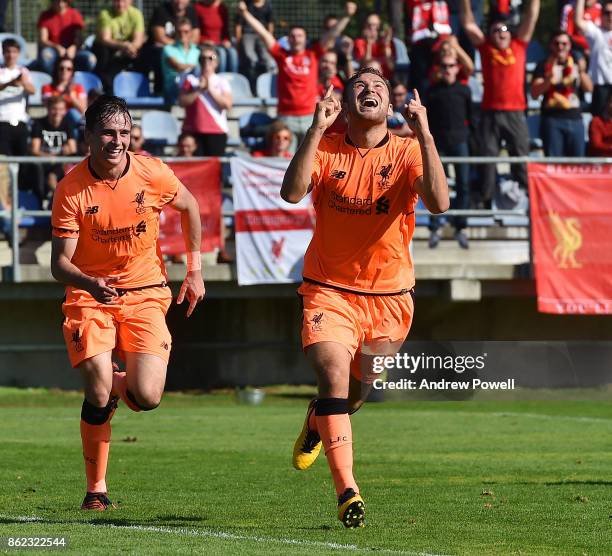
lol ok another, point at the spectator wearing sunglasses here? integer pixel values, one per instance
(560, 79)
(503, 59)
(599, 38)
(278, 141)
(63, 85)
(449, 107)
(206, 100)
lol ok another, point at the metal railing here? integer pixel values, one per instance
(15, 214)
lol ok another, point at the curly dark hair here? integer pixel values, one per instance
(103, 109)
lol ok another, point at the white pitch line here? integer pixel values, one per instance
(221, 535)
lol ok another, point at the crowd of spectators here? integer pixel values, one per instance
(185, 46)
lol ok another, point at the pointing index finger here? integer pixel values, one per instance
(417, 98)
(329, 92)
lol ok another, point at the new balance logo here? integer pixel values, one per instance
(338, 174)
(141, 228)
(92, 210)
(382, 205)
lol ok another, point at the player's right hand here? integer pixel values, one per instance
(102, 292)
(327, 110)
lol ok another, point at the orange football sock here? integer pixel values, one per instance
(120, 389)
(96, 444)
(337, 438)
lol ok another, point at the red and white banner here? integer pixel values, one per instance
(203, 179)
(571, 226)
(271, 235)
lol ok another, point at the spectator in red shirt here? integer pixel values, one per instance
(64, 86)
(426, 22)
(592, 12)
(298, 72)
(60, 30)
(215, 30)
(376, 43)
(600, 132)
(278, 141)
(503, 105)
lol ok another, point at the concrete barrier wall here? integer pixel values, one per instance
(256, 341)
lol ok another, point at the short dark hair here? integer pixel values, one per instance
(104, 108)
(304, 28)
(183, 21)
(184, 135)
(10, 42)
(57, 99)
(349, 84)
(558, 33)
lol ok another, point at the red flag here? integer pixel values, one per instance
(571, 233)
(203, 179)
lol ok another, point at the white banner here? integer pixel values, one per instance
(271, 235)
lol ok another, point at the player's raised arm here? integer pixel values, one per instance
(432, 187)
(296, 182)
(193, 285)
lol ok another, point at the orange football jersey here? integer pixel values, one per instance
(364, 200)
(116, 224)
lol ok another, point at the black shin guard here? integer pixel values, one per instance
(331, 406)
(94, 415)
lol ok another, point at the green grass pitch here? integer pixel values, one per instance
(202, 474)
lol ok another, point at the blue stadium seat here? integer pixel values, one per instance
(135, 89)
(160, 128)
(267, 87)
(88, 80)
(253, 127)
(39, 79)
(241, 89)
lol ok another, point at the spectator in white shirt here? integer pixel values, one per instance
(15, 85)
(599, 38)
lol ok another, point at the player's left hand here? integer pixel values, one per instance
(416, 116)
(193, 289)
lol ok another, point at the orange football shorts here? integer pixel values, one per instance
(356, 321)
(136, 324)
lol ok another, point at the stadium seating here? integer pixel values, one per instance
(88, 80)
(253, 127)
(241, 89)
(159, 128)
(135, 89)
(266, 87)
(39, 79)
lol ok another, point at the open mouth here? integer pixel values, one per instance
(369, 102)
